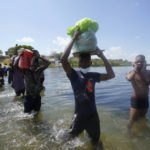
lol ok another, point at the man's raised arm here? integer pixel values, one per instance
(65, 55)
(47, 63)
(110, 73)
(130, 75)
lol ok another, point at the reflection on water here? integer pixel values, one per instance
(19, 131)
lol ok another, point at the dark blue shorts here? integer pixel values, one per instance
(32, 103)
(139, 103)
(90, 123)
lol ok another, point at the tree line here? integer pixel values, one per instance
(73, 60)
(98, 62)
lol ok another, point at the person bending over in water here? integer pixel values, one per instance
(140, 80)
(83, 85)
(32, 100)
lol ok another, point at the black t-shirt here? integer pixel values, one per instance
(86, 82)
(32, 82)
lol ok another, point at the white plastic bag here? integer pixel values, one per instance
(86, 42)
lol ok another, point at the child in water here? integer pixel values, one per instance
(32, 100)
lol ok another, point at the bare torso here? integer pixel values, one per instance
(140, 85)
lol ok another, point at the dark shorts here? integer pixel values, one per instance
(90, 123)
(19, 92)
(139, 103)
(32, 103)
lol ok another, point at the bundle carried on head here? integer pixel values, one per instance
(25, 59)
(87, 40)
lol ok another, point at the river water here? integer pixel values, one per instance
(19, 131)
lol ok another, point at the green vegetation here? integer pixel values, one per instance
(95, 62)
(6, 61)
(83, 24)
(52, 65)
(73, 60)
(120, 62)
(98, 62)
(57, 55)
(14, 50)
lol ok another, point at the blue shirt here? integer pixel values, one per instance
(86, 82)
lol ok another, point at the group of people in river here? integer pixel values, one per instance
(83, 85)
(28, 81)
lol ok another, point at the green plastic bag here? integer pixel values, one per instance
(83, 24)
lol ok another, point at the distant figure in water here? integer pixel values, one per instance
(5, 70)
(1, 76)
(10, 73)
(140, 80)
(32, 100)
(83, 85)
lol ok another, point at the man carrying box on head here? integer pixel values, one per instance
(32, 100)
(83, 85)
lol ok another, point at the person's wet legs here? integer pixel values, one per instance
(93, 130)
(76, 128)
(134, 115)
(28, 104)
